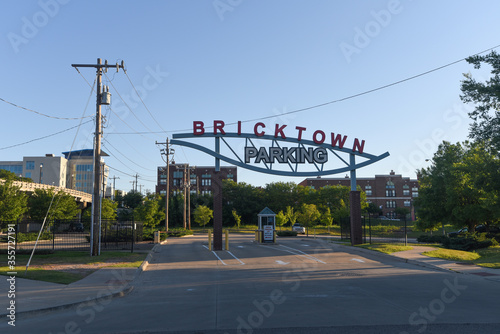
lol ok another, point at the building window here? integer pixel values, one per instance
(368, 187)
(406, 192)
(390, 204)
(163, 176)
(28, 174)
(176, 182)
(414, 192)
(230, 176)
(206, 182)
(163, 192)
(206, 192)
(407, 203)
(390, 193)
(163, 181)
(178, 175)
(389, 185)
(368, 192)
(30, 165)
(84, 168)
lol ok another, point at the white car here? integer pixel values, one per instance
(298, 228)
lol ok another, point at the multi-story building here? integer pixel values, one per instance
(388, 192)
(80, 175)
(47, 169)
(200, 178)
(74, 171)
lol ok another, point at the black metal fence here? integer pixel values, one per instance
(71, 235)
(377, 230)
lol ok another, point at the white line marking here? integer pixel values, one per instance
(358, 260)
(235, 257)
(307, 255)
(217, 256)
(282, 262)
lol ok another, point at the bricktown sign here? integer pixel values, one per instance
(306, 155)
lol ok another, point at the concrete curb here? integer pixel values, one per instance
(125, 290)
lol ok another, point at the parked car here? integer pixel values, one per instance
(298, 228)
(75, 227)
(479, 228)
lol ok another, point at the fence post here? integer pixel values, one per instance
(370, 227)
(406, 235)
(133, 237)
(53, 235)
(17, 230)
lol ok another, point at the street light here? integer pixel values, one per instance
(40, 179)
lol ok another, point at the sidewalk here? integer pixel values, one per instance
(33, 297)
(415, 256)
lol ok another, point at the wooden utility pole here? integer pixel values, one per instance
(166, 152)
(96, 209)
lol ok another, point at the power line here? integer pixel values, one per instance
(42, 114)
(40, 138)
(341, 99)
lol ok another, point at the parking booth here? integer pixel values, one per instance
(267, 227)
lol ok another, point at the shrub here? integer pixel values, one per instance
(432, 238)
(22, 237)
(286, 233)
(469, 242)
(178, 232)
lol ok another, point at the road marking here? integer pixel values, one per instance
(235, 257)
(217, 256)
(358, 260)
(296, 252)
(241, 246)
(305, 245)
(282, 262)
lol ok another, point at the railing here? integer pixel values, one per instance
(31, 186)
(73, 235)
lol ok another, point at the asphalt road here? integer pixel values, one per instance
(298, 286)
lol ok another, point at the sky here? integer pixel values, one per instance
(239, 60)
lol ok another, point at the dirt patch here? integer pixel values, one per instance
(81, 269)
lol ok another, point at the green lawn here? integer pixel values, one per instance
(487, 257)
(37, 271)
(386, 248)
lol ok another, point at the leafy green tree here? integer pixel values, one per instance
(150, 212)
(237, 218)
(281, 219)
(246, 199)
(280, 194)
(327, 218)
(202, 215)
(402, 212)
(486, 98)
(63, 205)
(308, 215)
(291, 216)
(132, 199)
(108, 210)
(13, 202)
(7, 175)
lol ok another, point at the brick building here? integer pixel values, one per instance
(388, 192)
(200, 176)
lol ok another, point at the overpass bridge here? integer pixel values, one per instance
(80, 196)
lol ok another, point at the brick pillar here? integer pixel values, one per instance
(356, 227)
(217, 189)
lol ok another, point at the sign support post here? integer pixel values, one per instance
(355, 207)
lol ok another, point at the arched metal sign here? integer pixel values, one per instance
(279, 158)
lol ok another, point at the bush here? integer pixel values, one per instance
(286, 233)
(22, 237)
(176, 233)
(470, 242)
(439, 239)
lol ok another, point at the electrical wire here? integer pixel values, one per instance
(40, 138)
(338, 100)
(144, 104)
(42, 114)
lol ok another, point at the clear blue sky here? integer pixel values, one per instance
(239, 60)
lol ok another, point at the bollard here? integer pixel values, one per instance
(227, 239)
(209, 240)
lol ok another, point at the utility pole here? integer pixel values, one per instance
(103, 97)
(167, 151)
(114, 189)
(189, 169)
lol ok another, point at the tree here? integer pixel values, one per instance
(132, 199)
(237, 218)
(63, 205)
(291, 215)
(202, 215)
(246, 199)
(308, 215)
(13, 202)
(150, 212)
(281, 219)
(402, 212)
(327, 218)
(486, 98)
(460, 188)
(108, 210)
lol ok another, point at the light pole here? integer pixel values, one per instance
(40, 178)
